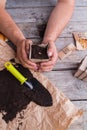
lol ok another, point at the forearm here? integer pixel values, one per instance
(58, 19)
(9, 28)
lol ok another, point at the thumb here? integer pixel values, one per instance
(50, 52)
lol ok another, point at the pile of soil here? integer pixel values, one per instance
(13, 96)
(39, 52)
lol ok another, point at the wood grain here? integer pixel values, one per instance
(36, 30)
(31, 16)
(33, 3)
(42, 13)
(74, 88)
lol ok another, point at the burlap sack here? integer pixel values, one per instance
(34, 117)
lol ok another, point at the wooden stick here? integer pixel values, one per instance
(82, 67)
(83, 75)
(66, 51)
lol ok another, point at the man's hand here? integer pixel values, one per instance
(53, 55)
(23, 52)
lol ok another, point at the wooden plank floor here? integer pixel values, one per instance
(31, 16)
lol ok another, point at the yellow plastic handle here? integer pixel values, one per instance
(15, 72)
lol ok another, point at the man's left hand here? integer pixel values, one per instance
(53, 56)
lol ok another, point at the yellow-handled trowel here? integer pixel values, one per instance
(38, 93)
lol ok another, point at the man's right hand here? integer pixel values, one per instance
(23, 52)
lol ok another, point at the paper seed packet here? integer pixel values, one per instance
(81, 40)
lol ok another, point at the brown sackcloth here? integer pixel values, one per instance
(32, 116)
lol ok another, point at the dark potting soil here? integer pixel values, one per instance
(12, 95)
(15, 97)
(39, 52)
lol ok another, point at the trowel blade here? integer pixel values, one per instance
(39, 94)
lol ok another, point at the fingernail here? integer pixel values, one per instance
(49, 53)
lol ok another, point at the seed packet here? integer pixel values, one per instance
(81, 40)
